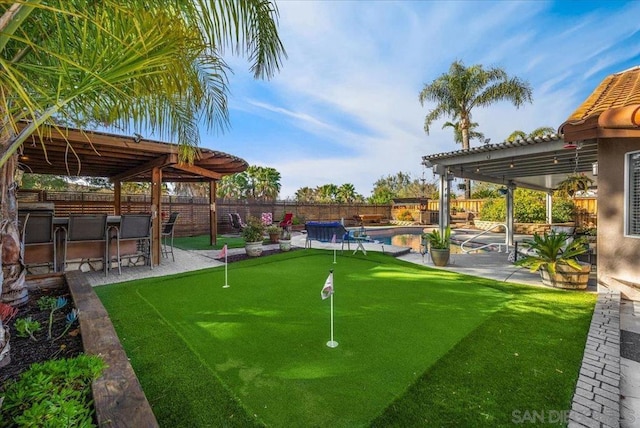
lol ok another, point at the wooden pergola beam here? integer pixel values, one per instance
(193, 169)
(159, 162)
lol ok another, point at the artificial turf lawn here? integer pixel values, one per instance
(417, 346)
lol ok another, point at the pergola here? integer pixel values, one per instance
(73, 152)
(538, 163)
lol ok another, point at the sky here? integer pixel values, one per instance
(344, 107)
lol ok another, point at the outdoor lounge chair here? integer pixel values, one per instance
(236, 221)
(325, 232)
(287, 222)
(133, 227)
(167, 235)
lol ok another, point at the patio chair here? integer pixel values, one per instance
(36, 229)
(133, 227)
(167, 235)
(236, 221)
(287, 222)
(83, 228)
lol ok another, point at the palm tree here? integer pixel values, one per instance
(233, 186)
(516, 135)
(538, 132)
(457, 131)
(267, 183)
(326, 193)
(346, 193)
(305, 194)
(457, 92)
(200, 190)
(130, 65)
(542, 131)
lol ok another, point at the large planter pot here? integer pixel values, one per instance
(440, 257)
(253, 249)
(285, 244)
(567, 277)
(5, 356)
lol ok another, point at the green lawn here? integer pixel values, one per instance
(417, 346)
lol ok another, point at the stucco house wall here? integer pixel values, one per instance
(618, 256)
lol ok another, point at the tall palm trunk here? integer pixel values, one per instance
(14, 288)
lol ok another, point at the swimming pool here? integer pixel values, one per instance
(409, 237)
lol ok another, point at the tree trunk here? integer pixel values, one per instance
(14, 287)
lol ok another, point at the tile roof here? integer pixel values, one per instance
(614, 104)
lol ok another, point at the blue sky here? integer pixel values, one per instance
(344, 108)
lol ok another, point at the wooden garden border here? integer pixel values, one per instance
(118, 397)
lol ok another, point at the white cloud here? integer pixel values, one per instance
(355, 69)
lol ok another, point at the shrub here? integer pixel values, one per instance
(405, 216)
(563, 210)
(55, 393)
(529, 207)
(493, 209)
(254, 230)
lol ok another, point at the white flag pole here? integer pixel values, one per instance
(226, 284)
(334, 256)
(332, 343)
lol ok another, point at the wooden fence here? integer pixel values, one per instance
(194, 211)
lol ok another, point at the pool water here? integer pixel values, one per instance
(403, 237)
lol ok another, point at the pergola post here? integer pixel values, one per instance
(117, 196)
(549, 205)
(510, 214)
(213, 219)
(445, 191)
(156, 209)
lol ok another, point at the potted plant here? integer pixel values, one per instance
(285, 240)
(439, 245)
(274, 233)
(554, 255)
(253, 235)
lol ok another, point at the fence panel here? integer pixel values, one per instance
(194, 211)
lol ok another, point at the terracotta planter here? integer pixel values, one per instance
(274, 237)
(253, 249)
(285, 244)
(567, 277)
(440, 257)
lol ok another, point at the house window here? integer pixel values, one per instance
(632, 194)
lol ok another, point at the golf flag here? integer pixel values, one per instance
(333, 240)
(327, 290)
(223, 253)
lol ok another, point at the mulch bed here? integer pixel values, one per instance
(231, 258)
(25, 351)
